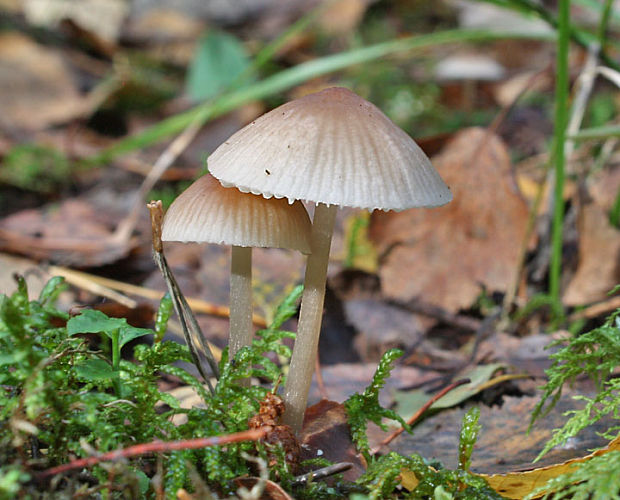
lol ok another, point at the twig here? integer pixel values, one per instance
(197, 305)
(176, 147)
(416, 416)
(322, 473)
(85, 281)
(194, 337)
(158, 447)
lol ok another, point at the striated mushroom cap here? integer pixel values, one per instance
(209, 213)
(330, 147)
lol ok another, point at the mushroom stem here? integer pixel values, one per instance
(310, 316)
(241, 330)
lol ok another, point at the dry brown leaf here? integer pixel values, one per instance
(604, 188)
(104, 18)
(73, 232)
(342, 16)
(37, 89)
(598, 270)
(326, 434)
(443, 255)
(519, 484)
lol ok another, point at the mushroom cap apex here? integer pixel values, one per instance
(331, 147)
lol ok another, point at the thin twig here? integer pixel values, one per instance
(197, 305)
(416, 416)
(171, 153)
(322, 473)
(158, 447)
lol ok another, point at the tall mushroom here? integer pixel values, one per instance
(335, 149)
(207, 212)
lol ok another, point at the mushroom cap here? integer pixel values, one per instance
(330, 147)
(207, 212)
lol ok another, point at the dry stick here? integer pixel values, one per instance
(197, 305)
(194, 337)
(420, 412)
(330, 470)
(158, 447)
(85, 282)
(176, 147)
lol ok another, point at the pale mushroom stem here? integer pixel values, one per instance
(310, 316)
(241, 331)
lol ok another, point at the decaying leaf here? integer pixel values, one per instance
(326, 434)
(37, 89)
(73, 232)
(444, 255)
(598, 270)
(504, 445)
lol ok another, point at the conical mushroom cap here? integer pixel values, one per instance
(331, 147)
(210, 213)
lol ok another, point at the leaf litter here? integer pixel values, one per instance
(450, 255)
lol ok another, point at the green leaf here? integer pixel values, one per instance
(95, 369)
(92, 321)
(219, 60)
(409, 402)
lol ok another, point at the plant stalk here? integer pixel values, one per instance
(561, 119)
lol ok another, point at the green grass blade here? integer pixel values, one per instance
(561, 120)
(602, 132)
(294, 76)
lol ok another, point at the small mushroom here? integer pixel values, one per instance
(335, 149)
(206, 212)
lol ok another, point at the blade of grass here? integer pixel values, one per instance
(294, 76)
(582, 37)
(602, 132)
(559, 136)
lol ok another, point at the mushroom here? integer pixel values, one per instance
(208, 212)
(335, 149)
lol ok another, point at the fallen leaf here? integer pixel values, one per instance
(444, 255)
(604, 188)
(37, 90)
(380, 327)
(170, 35)
(409, 402)
(102, 17)
(504, 444)
(344, 379)
(598, 270)
(341, 17)
(519, 484)
(72, 232)
(326, 434)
